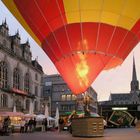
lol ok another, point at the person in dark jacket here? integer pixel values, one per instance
(34, 124)
(61, 124)
(6, 124)
(30, 125)
(45, 124)
(26, 126)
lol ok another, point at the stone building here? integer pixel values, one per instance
(57, 93)
(128, 101)
(20, 76)
(128, 98)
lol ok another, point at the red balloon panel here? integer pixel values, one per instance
(40, 16)
(136, 29)
(62, 39)
(127, 43)
(90, 35)
(119, 34)
(74, 34)
(50, 52)
(104, 37)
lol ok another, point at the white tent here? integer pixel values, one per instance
(46, 112)
(28, 116)
(14, 109)
(40, 117)
(51, 119)
(31, 108)
(57, 117)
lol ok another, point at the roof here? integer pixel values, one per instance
(37, 65)
(120, 96)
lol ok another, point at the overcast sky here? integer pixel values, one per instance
(116, 80)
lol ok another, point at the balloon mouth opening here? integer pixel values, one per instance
(87, 52)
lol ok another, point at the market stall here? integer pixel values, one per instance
(41, 117)
(15, 118)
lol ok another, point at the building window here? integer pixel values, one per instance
(36, 76)
(68, 97)
(3, 75)
(27, 104)
(16, 78)
(36, 106)
(64, 107)
(18, 104)
(63, 97)
(36, 90)
(27, 83)
(67, 107)
(73, 97)
(4, 100)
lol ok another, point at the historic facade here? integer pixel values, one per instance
(128, 98)
(57, 93)
(20, 76)
(128, 101)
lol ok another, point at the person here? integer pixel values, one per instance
(61, 123)
(135, 121)
(22, 124)
(87, 111)
(34, 124)
(69, 122)
(45, 124)
(105, 123)
(26, 126)
(30, 124)
(6, 124)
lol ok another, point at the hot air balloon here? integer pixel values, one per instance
(81, 37)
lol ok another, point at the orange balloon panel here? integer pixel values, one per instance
(81, 37)
(79, 70)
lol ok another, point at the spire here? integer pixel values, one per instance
(27, 42)
(134, 82)
(17, 33)
(5, 22)
(134, 75)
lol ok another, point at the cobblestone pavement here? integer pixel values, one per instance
(110, 134)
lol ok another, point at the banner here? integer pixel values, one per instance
(121, 118)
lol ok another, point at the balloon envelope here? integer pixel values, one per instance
(81, 37)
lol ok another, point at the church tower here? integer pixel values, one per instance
(134, 82)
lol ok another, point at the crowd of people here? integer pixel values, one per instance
(28, 126)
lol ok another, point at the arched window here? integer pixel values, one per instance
(27, 104)
(16, 78)
(36, 106)
(36, 90)
(27, 82)
(3, 75)
(36, 76)
(4, 100)
(18, 104)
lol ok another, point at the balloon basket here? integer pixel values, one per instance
(88, 127)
